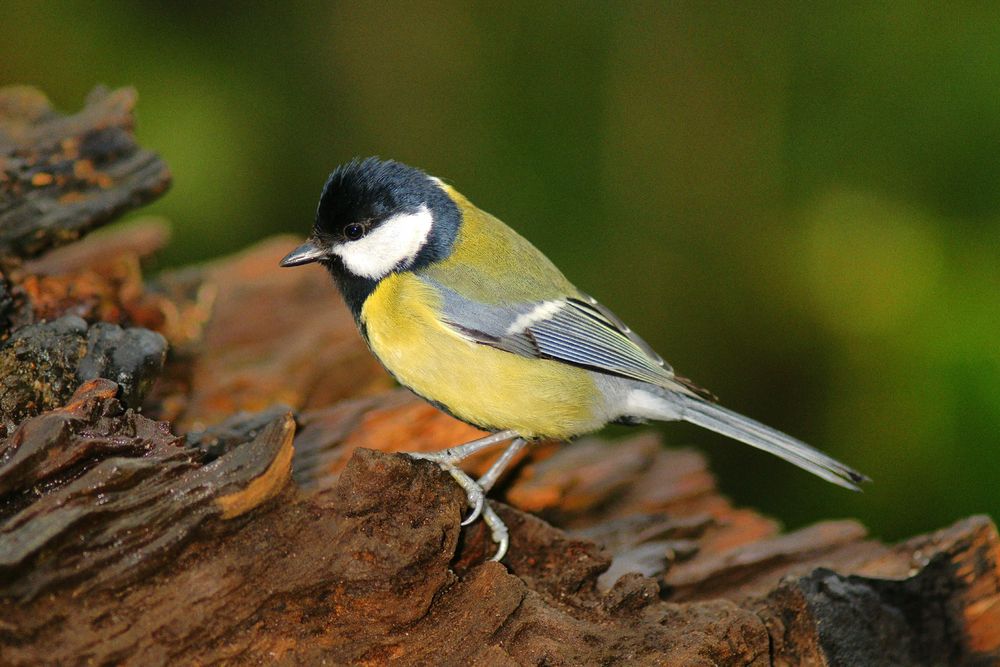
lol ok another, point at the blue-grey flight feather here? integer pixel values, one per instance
(573, 330)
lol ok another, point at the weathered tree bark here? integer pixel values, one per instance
(248, 509)
(66, 175)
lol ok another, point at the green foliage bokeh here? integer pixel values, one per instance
(798, 206)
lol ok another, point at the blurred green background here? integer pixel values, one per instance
(799, 207)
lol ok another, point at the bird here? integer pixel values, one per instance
(470, 316)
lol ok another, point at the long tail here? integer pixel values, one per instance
(734, 425)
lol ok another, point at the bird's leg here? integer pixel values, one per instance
(456, 454)
(491, 476)
(498, 529)
(475, 490)
(448, 460)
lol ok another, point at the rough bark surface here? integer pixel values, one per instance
(248, 508)
(61, 176)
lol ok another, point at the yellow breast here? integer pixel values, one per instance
(482, 385)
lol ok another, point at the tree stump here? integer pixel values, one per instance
(198, 469)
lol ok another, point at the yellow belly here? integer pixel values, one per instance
(482, 385)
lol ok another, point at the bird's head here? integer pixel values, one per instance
(379, 217)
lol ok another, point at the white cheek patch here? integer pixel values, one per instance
(394, 242)
(542, 311)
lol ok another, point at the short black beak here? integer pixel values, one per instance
(306, 253)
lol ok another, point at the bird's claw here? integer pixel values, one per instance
(499, 532)
(477, 505)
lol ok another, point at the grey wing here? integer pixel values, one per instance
(624, 329)
(573, 329)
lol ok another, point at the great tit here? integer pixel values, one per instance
(470, 316)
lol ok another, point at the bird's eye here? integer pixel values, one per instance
(354, 231)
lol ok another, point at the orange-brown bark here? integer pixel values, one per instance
(253, 510)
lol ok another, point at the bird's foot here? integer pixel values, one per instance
(475, 490)
(475, 497)
(498, 530)
(474, 494)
